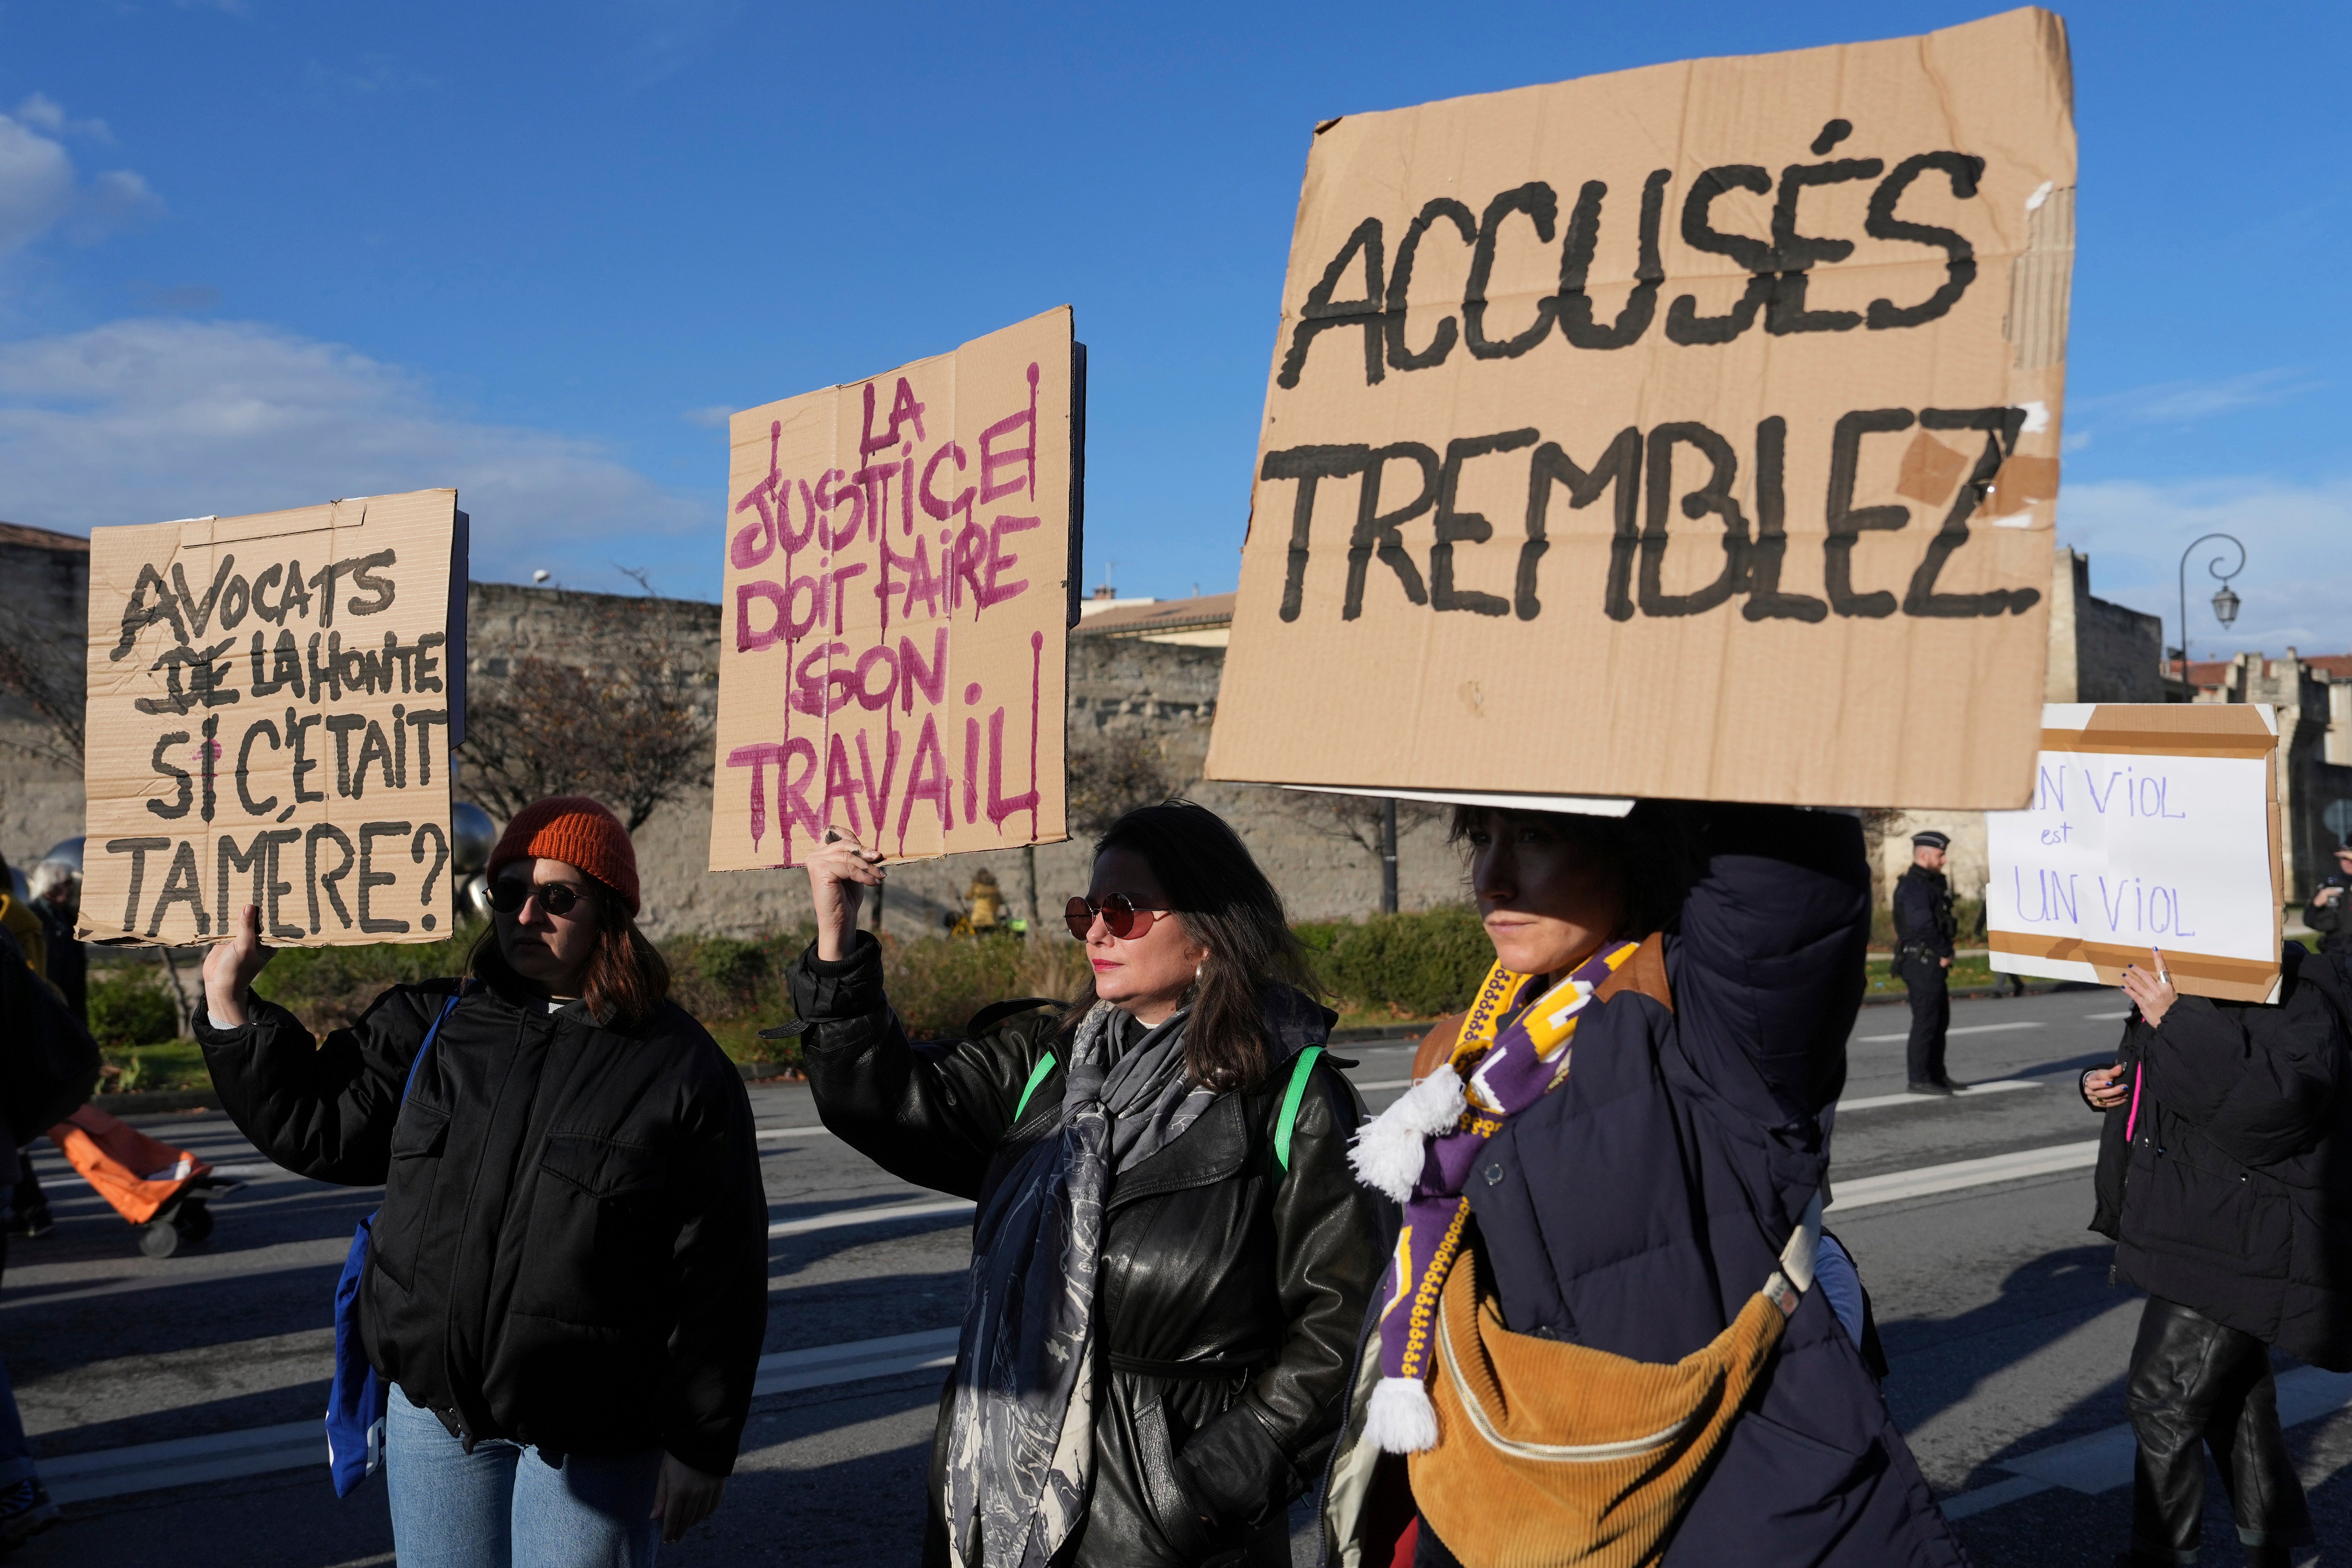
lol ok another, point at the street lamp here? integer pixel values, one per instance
(2225, 602)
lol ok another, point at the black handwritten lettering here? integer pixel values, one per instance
(140, 613)
(1766, 602)
(1441, 342)
(266, 578)
(253, 731)
(187, 788)
(181, 886)
(422, 719)
(138, 849)
(371, 878)
(1535, 199)
(1456, 526)
(320, 833)
(1620, 466)
(341, 725)
(1848, 523)
(1796, 254)
(1964, 170)
(2000, 427)
(1376, 528)
(1576, 322)
(1321, 312)
(1308, 465)
(1714, 497)
(199, 612)
(1684, 323)
(297, 734)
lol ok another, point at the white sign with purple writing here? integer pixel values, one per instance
(2142, 837)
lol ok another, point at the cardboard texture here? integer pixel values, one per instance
(900, 580)
(273, 700)
(2151, 825)
(1690, 431)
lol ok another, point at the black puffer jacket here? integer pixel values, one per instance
(572, 1250)
(2234, 1196)
(1230, 1291)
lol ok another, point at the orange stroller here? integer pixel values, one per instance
(160, 1189)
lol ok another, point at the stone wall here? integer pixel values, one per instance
(46, 578)
(1162, 693)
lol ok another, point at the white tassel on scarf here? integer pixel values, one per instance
(1391, 1148)
(1402, 1420)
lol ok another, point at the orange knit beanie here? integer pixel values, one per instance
(577, 831)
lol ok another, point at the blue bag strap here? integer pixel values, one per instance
(446, 1008)
(1291, 1098)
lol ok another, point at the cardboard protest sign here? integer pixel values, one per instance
(901, 567)
(273, 702)
(1689, 431)
(2151, 825)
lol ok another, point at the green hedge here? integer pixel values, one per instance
(1419, 965)
(129, 1006)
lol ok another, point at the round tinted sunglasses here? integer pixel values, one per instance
(1119, 912)
(509, 894)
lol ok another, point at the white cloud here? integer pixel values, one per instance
(44, 112)
(2187, 401)
(38, 189)
(713, 417)
(37, 185)
(152, 418)
(2298, 581)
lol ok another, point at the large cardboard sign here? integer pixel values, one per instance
(1689, 431)
(2151, 825)
(901, 577)
(273, 702)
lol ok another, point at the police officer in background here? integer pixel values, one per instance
(1924, 927)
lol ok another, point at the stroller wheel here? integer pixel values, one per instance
(159, 1238)
(193, 1221)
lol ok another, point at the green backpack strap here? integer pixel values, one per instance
(1291, 1098)
(1037, 1075)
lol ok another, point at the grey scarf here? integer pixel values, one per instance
(1020, 1423)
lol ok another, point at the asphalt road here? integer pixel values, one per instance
(176, 1398)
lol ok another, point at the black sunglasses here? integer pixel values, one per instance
(509, 894)
(1118, 913)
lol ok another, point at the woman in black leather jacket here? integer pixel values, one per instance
(1170, 1259)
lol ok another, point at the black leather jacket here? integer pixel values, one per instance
(1231, 1288)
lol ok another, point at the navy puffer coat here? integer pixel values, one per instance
(1637, 1208)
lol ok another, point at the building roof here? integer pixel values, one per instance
(1208, 611)
(42, 538)
(2338, 666)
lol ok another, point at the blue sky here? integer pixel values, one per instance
(255, 253)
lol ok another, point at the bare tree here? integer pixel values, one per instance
(1361, 820)
(620, 714)
(45, 672)
(1110, 777)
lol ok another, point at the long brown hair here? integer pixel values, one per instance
(1228, 907)
(626, 980)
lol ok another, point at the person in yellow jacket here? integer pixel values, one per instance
(19, 922)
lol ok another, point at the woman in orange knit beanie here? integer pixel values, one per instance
(566, 1287)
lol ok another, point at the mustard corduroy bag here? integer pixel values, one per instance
(1550, 1454)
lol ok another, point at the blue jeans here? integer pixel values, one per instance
(503, 1506)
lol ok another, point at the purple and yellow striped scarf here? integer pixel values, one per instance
(1420, 1152)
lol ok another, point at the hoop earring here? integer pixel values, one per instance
(1197, 969)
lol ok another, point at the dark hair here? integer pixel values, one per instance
(1652, 850)
(626, 979)
(1228, 907)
